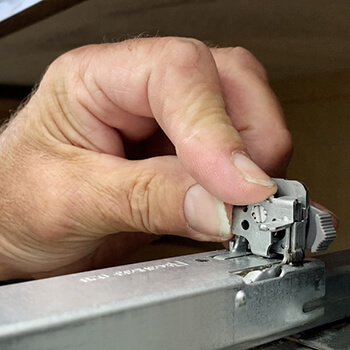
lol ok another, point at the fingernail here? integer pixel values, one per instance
(250, 171)
(205, 213)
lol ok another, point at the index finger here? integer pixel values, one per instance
(176, 82)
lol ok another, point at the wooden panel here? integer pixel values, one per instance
(7, 107)
(291, 38)
(317, 111)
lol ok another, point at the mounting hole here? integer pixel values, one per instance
(245, 209)
(245, 224)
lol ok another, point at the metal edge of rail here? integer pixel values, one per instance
(192, 302)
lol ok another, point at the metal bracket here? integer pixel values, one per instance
(283, 225)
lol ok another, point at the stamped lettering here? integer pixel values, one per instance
(129, 272)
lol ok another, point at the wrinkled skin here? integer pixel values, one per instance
(188, 117)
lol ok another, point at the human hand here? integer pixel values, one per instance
(70, 198)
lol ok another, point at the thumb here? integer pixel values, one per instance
(154, 195)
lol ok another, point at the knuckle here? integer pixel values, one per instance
(143, 201)
(183, 52)
(71, 57)
(59, 66)
(66, 71)
(64, 86)
(244, 59)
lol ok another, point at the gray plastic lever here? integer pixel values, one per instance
(321, 231)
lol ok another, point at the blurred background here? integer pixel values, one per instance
(304, 45)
